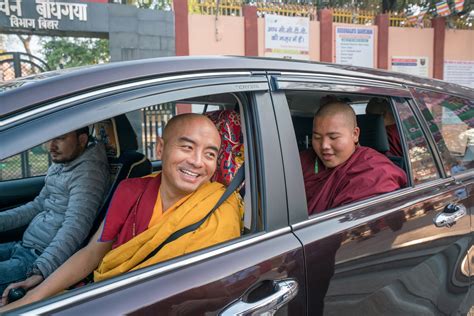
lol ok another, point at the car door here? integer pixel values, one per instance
(22, 177)
(263, 270)
(21, 180)
(449, 118)
(383, 255)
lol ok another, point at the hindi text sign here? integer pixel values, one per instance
(286, 37)
(460, 72)
(49, 13)
(355, 46)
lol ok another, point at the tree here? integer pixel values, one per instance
(26, 41)
(62, 52)
(2, 43)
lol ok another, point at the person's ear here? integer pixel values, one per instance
(83, 140)
(355, 135)
(159, 147)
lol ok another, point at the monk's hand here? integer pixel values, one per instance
(27, 284)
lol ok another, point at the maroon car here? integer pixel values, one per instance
(407, 252)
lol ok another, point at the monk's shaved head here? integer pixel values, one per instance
(338, 108)
(180, 120)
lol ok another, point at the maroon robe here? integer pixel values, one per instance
(394, 141)
(131, 209)
(365, 174)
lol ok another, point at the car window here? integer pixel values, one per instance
(118, 134)
(31, 163)
(373, 130)
(423, 166)
(149, 122)
(451, 123)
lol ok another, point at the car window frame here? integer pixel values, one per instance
(409, 167)
(105, 105)
(319, 82)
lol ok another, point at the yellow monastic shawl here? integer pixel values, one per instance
(224, 224)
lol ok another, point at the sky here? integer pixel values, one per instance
(13, 44)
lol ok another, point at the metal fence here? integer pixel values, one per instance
(365, 17)
(153, 122)
(340, 15)
(212, 7)
(400, 20)
(36, 160)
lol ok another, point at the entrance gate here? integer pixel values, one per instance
(16, 64)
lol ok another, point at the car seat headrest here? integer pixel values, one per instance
(117, 134)
(372, 132)
(303, 126)
(231, 154)
(126, 134)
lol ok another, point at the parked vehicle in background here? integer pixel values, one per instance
(401, 253)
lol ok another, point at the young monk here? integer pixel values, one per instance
(382, 107)
(146, 211)
(338, 171)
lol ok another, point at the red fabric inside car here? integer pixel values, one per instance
(231, 154)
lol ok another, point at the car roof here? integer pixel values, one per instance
(23, 93)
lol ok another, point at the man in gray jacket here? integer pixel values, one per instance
(60, 217)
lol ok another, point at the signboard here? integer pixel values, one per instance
(355, 46)
(47, 13)
(286, 37)
(417, 66)
(460, 72)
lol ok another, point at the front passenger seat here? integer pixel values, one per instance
(124, 160)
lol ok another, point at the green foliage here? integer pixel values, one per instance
(63, 52)
(152, 4)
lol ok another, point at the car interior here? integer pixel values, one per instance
(303, 105)
(130, 157)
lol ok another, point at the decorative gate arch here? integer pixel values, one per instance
(16, 64)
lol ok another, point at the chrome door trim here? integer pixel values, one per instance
(152, 272)
(318, 77)
(465, 175)
(439, 183)
(286, 290)
(339, 84)
(54, 105)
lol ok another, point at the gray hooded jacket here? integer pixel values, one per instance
(63, 213)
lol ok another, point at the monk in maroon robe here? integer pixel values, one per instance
(382, 107)
(338, 171)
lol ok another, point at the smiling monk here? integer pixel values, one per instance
(338, 171)
(144, 212)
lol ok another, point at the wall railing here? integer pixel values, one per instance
(340, 15)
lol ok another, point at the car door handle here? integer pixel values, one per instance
(450, 215)
(284, 292)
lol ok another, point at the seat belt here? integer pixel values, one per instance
(233, 185)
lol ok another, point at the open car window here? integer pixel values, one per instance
(373, 133)
(130, 142)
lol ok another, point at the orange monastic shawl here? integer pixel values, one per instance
(224, 224)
